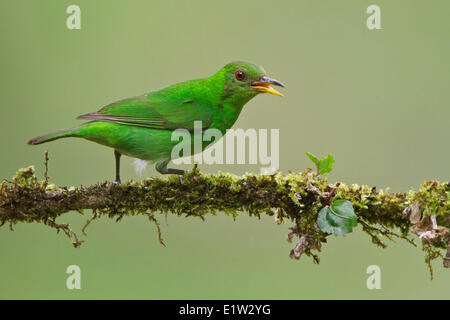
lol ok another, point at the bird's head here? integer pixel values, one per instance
(246, 80)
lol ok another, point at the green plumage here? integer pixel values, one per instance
(141, 127)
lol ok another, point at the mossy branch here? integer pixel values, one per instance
(296, 198)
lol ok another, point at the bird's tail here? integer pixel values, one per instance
(73, 132)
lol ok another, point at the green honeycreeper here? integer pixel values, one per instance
(141, 127)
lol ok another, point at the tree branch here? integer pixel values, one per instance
(294, 197)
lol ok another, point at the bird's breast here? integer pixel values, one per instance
(226, 116)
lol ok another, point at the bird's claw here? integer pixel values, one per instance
(113, 184)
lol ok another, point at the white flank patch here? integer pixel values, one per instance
(139, 166)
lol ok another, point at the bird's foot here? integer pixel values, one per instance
(112, 184)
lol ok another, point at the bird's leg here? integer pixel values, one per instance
(161, 167)
(117, 155)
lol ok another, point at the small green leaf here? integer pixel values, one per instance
(326, 164)
(338, 219)
(313, 158)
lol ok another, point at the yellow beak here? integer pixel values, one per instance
(263, 85)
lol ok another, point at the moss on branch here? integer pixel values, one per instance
(295, 198)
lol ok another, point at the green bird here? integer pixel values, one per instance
(142, 126)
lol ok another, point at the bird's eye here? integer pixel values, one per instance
(240, 75)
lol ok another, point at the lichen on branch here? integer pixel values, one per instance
(294, 198)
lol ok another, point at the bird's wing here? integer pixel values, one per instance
(155, 110)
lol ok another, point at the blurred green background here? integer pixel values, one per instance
(379, 101)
